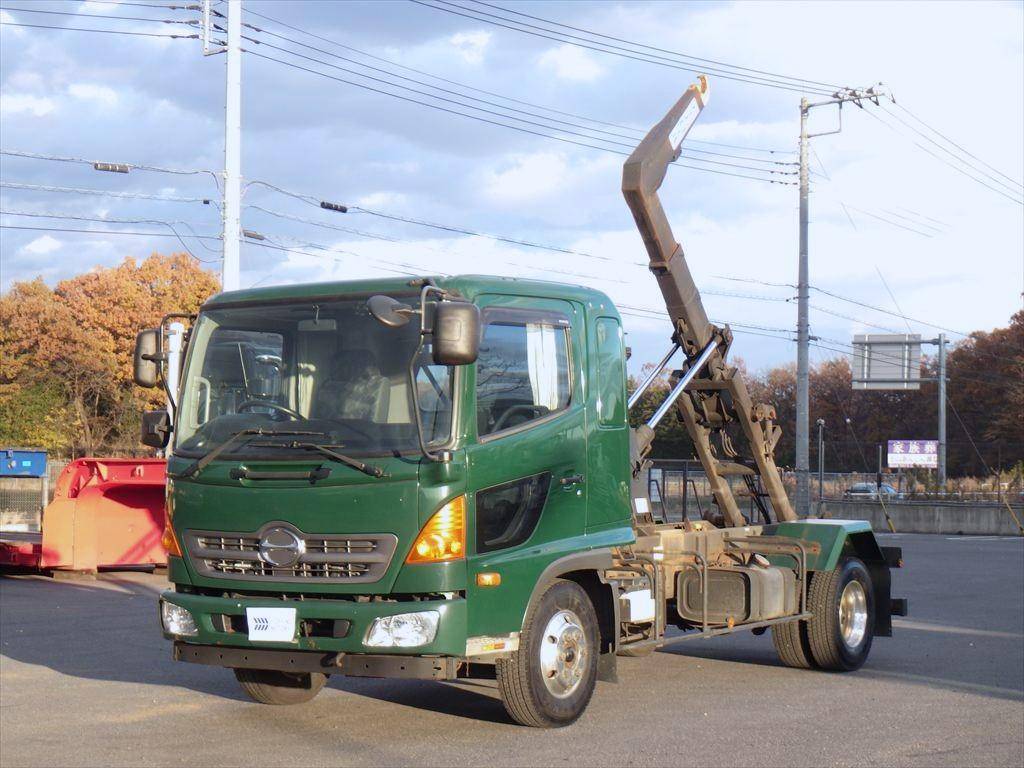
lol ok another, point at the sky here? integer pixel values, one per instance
(891, 226)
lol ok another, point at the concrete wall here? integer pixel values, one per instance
(929, 517)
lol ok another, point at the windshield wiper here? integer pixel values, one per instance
(326, 450)
(199, 464)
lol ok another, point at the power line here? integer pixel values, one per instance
(885, 311)
(105, 31)
(613, 49)
(112, 232)
(84, 161)
(887, 221)
(96, 16)
(944, 160)
(105, 220)
(396, 240)
(107, 193)
(543, 125)
(1013, 187)
(698, 59)
(633, 134)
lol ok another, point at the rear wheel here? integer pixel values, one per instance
(548, 682)
(269, 686)
(843, 625)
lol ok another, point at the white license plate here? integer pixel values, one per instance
(271, 625)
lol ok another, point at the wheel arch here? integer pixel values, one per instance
(586, 569)
(864, 546)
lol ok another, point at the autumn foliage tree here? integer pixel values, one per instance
(66, 353)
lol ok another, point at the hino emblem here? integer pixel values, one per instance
(281, 548)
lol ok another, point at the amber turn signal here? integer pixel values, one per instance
(170, 541)
(488, 579)
(443, 537)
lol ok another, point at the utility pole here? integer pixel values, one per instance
(232, 207)
(803, 338)
(942, 412)
(803, 498)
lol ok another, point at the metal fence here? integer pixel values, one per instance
(679, 489)
(22, 501)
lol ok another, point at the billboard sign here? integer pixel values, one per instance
(887, 361)
(913, 453)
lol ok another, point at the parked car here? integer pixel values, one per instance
(872, 491)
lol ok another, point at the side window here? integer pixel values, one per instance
(610, 373)
(507, 514)
(522, 373)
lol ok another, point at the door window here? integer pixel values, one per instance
(610, 373)
(522, 372)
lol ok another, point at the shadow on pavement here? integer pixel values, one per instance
(980, 664)
(100, 629)
(456, 699)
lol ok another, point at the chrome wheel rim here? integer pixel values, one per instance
(853, 614)
(563, 654)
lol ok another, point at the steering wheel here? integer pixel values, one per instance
(534, 412)
(248, 404)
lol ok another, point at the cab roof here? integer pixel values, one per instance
(468, 286)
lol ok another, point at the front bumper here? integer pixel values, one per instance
(352, 665)
(220, 621)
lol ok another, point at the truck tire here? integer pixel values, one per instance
(548, 682)
(268, 686)
(792, 645)
(843, 625)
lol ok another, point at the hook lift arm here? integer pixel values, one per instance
(708, 394)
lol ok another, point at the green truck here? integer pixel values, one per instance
(436, 478)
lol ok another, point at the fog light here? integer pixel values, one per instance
(406, 630)
(177, 620)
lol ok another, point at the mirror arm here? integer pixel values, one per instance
(424, 332)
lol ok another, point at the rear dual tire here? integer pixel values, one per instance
(838, 636)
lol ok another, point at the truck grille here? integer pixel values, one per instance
(351, 559)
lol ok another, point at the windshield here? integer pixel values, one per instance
(327, 367)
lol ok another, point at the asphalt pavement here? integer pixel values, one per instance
(86, 679)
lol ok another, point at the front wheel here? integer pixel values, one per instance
(548, 682)
(843, 625)
(268, 686)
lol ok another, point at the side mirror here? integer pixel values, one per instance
(147, 358)
(388, 311)
(456, 337)
(156, 429)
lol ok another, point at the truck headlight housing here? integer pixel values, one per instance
(177, 620)
(443, 538)
(404, 630)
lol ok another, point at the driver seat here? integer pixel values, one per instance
(355, 389)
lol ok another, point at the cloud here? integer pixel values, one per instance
(7, 19)
(571, 63)
(527, 177)
(382, 200)
(95, 93)
(42, 246)
(471, 45)
(38, 106)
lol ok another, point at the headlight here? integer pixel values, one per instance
(406, 630)
(177, 620)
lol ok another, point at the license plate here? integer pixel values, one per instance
(271, 625)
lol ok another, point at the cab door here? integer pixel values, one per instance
(528, 462)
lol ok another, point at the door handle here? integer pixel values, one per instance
(570, 480)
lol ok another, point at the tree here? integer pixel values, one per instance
(66, 353)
